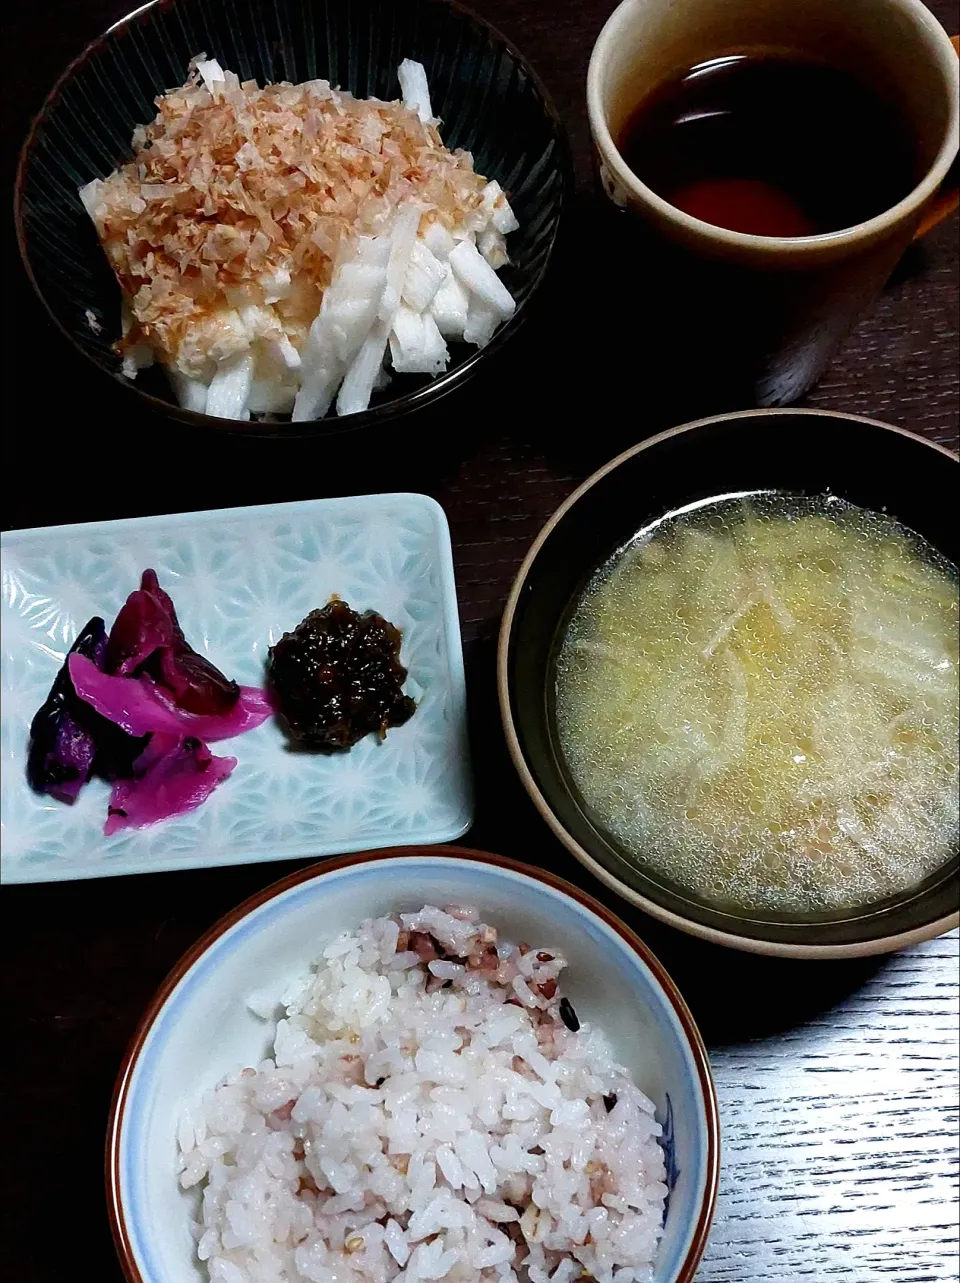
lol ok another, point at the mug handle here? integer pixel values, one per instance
(947, 197)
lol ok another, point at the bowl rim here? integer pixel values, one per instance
(387, 411)
(668, 987)
(729, 939)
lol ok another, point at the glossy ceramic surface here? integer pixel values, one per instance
(239, 579)
(199, 1028)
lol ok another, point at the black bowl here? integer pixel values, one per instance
(489, 100)
(800, 451)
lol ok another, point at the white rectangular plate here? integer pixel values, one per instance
(239, 579)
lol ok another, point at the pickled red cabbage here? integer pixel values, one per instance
(141, 707)
(147, 637)
(173, 775)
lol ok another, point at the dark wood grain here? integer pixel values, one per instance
(838, 1083)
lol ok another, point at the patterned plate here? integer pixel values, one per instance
(239, 579)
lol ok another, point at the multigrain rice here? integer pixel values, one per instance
(427, 1114)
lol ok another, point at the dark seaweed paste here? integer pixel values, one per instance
(337, 677)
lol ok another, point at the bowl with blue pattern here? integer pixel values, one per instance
(199, 1028)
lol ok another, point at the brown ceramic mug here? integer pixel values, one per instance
(761, 315)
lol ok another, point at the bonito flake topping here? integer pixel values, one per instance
(277, 246)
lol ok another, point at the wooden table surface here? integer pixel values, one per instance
(838, 1083)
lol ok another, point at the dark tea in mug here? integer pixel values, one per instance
(771, 144)
(766, 162)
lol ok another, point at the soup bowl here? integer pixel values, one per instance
(813, 452)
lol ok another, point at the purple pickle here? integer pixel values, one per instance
(139, 706)
(69, 741)
(146, 637)
(62, 748)
(173, 775)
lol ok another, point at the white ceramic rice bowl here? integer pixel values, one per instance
(199, 1028)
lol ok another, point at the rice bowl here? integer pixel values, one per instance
(201, 1030)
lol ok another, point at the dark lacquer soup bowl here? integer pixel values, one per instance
(806, 452)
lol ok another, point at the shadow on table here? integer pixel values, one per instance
(608, 359)
(734, 996)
